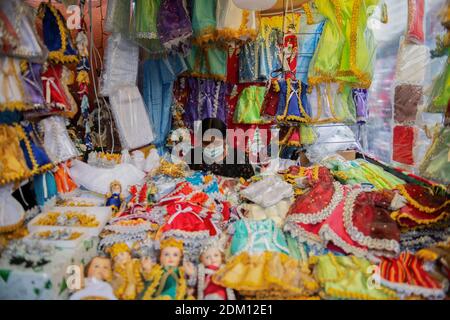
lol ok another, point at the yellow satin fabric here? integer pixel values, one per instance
(12, 162)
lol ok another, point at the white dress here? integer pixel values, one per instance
(11, 87)
(131, 117)
(234, 23)
(11, 211)
(94, 288)
(57, 143)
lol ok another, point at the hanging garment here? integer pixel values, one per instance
(64, 183)
(346, 47)
(436, 164)
(208, 61)
(174, 25)
(31, 76)
(234, 23)
(118, 16)
(12, 93)
(13, 166)
(248, 109)
(45, 188)
(204, 20)
(35, 156)
(412, 62)
(206, 100)
(416, 11)
(271, 99)
(131, 118)
(291, 106)
(56, 35)
(308, 39)
(57, 143)
(145, 26)
(407, 99)
(440, 94)
(360, 100)
(18, 33)
(121, 64)
(158, 79)
(12, 213)
(404, 138)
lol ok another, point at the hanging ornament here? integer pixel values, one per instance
(257, 5)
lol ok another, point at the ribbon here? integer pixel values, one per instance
(180, 211)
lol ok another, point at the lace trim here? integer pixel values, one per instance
(121, 237)
(313, 218)
(358, 236)
(416, 204)
(301, 234)
(328, 234)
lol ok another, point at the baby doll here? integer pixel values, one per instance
(167, 280)
(115, 196)
(96, 284)
(127, 279)
(212, 258)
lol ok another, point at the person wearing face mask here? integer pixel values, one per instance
(216, 156)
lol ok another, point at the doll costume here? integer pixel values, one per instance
(260, 263)
(12, 213)
(207, 289)
(94, 289)
(32, 82)
(207, 61)
(64, 182)
(57, 143)
(423, 207)
(234, 23)
(347, 277)
(408, 275)
(19, 36)
(206, 99)
(45, 188)
(435, 164)
(204, 20)
(248, 109)
(12, 90)
(57, 36)
(12, 162)
(36, 158)
(292, 106)
(118, 16)
(164, 284)
(55, 82)
(271, 99)
(174, 25)
(146, 26)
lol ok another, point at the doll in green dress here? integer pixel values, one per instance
(346, 48)
(167, 280)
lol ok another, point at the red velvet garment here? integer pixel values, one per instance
(211, 287)
(422, 208)
(270, 104)
(403, 143)
(371, 216)
(316, 199)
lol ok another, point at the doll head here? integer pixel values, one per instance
(212, 256)
(171, 253)
(99, 268)
(120, 253)
(115, 187)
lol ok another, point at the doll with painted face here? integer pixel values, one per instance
(212, 258)
(167, 280)
(98, 274)
(127, 279)
(115, 196)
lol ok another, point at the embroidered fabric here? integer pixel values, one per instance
(268, 191)
(121, 64)
(131, 118)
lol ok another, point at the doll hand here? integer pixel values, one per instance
(189, 268)
(398, 202)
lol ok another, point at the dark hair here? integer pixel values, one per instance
(214, 123)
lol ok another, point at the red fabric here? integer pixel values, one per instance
(415, 31)
(6, 46)
(212, 288)
(270, 104)
(403, 144)
(233, 66)
(315, 200)
(290, 40)
(52, 80)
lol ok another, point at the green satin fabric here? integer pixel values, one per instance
(203, 16)
(146, 18)
(248, 109)
(332, 56)
(436, 165)
(210, 62)
(441, 91)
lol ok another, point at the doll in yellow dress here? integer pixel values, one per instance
(260, 264)
(345, 49)
(127, 279)
(167, 280)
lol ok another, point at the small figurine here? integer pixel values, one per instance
(167, 280)
(127, 279)
(212, 259)
(115, 196)
(96, 284)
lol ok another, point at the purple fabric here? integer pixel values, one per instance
(207, 99)
(174, 25)
(33, 84)
(360, 99)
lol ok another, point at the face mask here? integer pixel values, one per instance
(213, 152)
